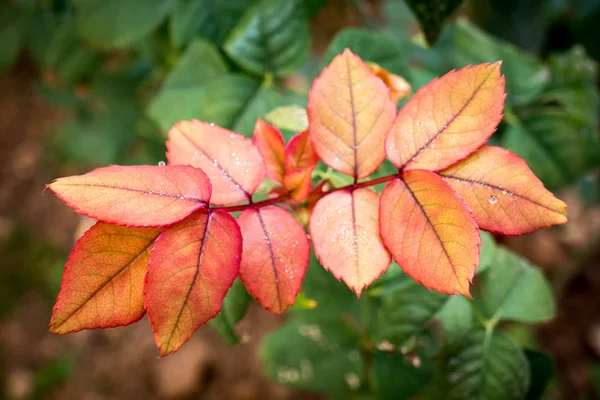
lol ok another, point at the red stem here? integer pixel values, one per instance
(284, 197)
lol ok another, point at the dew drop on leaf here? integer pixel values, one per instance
(162, 163)
(493, 199)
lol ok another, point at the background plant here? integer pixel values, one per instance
(556, 96)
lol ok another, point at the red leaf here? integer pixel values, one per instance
(275, 256)
(298, 182)
(192, 265)
(299, 153)
(269, 142)
(103, 279)
(430, 232)
(503, 193)
(137, 196)
(232, 163)
(349, 113)
(344, 228)
(447, 119)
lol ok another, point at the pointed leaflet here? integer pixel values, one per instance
(137, 196)
(447, 119)
(269, 142)
(192, 265)
(430, 232)
(300, 161)
(103, 279)
(398, 86)
(344, 228)
(232, 163)
(275, 256)
(297, 182)
(349, 113)
(299, 153)
(503, 194)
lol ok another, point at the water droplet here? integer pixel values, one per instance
(493, 199)
(233, 154)
(432, 145)
(504, 191)
(162, 163)
(212, 124)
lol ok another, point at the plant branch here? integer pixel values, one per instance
(285, 197)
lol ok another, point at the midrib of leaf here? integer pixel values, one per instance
(110, 280)
(245, 105)
(449, 122)
(270, 246)
(264, 41)
(150, 192)
(496, 188)
(352, 105)
(355, 237)
(434, 231)
(216, 164)
(196, 275)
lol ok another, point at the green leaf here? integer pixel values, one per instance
(432, 14)
(457, 318)
(314, 356)
(554, 144)
(487, 253)
(272, 37)
(485, 366)
(333, 298)
(236, 102)
(525, 76)
(207, 18)
(513, 290)
(181, 94)
(313, 7)
(101, 135)
(116, 24)
(573, 84)
(404, 312)
(291, 118)
(397, 378)
(12, 33)
(233, 310)
(542, 368)
(381, 48)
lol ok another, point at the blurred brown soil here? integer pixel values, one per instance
(107, 364)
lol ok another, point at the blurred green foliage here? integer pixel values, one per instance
(127, 70)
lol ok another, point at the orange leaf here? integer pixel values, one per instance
(447, 119)
(398, 86)
(275, 256)
(103, 279)
(299, 153)
(349, 113)
(297, 182)
(232, 163)
(269, 142)
(503, 193)
(192, 265)
(137, 196)
(430, 232)
(344, 228)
